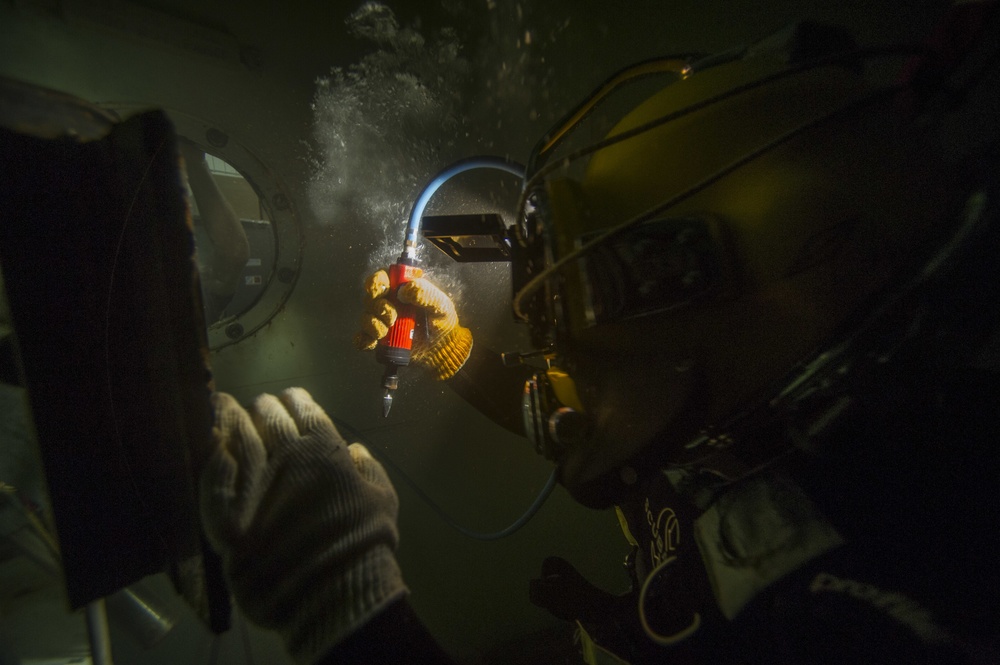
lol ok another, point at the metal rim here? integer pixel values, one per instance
(273, 196)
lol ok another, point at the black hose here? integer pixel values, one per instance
(497, 535)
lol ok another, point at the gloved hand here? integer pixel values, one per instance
(442, 345)
(305, 524)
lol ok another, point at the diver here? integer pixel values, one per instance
(772, 356)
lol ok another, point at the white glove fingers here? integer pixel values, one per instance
(227, 411)
(231, 477)
(235, 432)
(310, 418)
(274, 423)
(311, 556)
(370, 469)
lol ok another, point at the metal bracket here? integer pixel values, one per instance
(476, 238)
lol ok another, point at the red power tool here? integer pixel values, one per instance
(393, 350)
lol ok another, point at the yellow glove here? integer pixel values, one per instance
(441, 344)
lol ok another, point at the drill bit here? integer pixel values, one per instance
(390, 381)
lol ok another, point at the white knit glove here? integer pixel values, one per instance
(305, 524)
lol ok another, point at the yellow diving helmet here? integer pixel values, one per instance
(728, 229)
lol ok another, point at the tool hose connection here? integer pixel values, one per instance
(394, 349)
(469, 164)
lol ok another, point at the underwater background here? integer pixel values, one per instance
(348, 109)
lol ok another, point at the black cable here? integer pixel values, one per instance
(497, 535)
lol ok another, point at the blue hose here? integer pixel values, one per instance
(411, 240)
(417, 214)
(532, 510)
